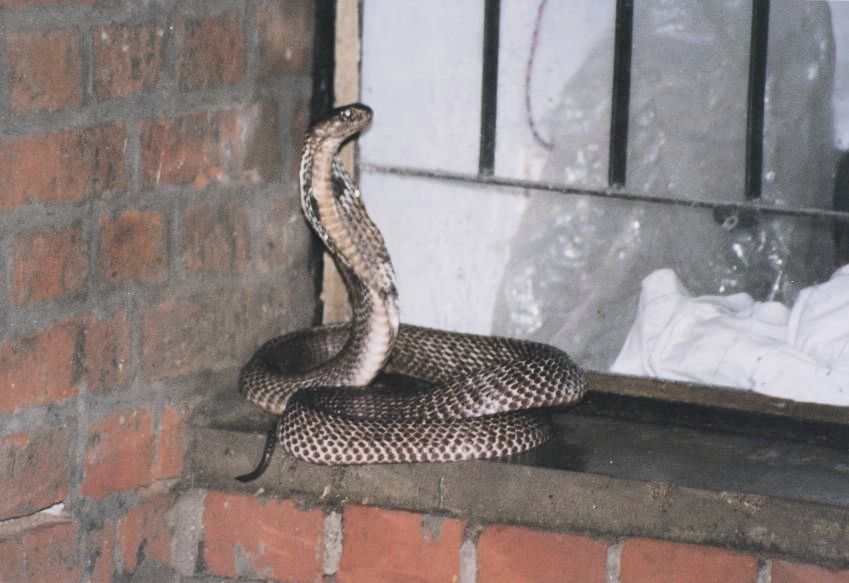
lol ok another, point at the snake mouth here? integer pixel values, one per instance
(344, 121)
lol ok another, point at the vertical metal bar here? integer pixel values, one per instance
(755, 102)
(489, 87)
(324, 61)
(621, 98)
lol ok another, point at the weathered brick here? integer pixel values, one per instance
(105, 351)
(215, 239)
(101, 547)
(170, 449)
(43, 553)
(181, 337)
(514, 554)
(274, 237)
(39, 369)
(23, 3)
(48, 264)
(143, 533)
(119, 454)
(34, 471)
(200, 148)
(784, 572)
(68, 167)
(195, 148)
(661, 561)
(389, 545)
(285, 37)
(133, 247)
(127, 59)
(213, 51)
(298, 125)
(12, 559)
(245, 536)
(45, 70)
(259, 128)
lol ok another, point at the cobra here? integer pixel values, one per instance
(479, 396)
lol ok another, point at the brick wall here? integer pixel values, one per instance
(249, 538)
(150, 239)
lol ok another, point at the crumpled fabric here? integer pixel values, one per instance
(799, 353)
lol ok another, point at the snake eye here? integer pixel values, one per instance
(346, 114)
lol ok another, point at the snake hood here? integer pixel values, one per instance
(342, 123)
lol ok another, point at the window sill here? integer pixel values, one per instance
(622, 464)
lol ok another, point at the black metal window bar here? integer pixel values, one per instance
(745, 210)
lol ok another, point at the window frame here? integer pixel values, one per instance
(338, 74)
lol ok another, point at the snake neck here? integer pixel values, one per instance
(370, 285)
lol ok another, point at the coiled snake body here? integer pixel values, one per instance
(482, 394)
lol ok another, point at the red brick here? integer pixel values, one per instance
(513, 554)
(143, 533)
(215, 239)
(170, 449)
(660, 562)
(285, 37)
(101, 544)
(196, 148)
(39, 369)
(200, 148)
(45, 70)
(389, 545)
(12, 559)
(44, 553)
(34, 471)
(67, 167)
(105, 351)
(119, 454)
(212, 52)
(133, 247)
(127, 59)
(245, 536)
(48, 264)
(783, 572)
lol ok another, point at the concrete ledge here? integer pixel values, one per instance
(229, 434)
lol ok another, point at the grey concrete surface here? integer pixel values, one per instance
(608, 477)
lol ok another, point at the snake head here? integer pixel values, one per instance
(343, 122)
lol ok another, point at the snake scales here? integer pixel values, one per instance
(482, 395)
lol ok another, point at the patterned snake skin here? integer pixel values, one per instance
(480, 396)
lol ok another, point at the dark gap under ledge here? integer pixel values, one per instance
(622, 464)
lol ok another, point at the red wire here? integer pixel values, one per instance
(529, 75)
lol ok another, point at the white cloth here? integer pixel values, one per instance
(800, 353)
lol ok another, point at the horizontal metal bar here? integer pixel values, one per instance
(755, 206)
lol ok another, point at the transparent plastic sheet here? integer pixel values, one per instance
(576, 262)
